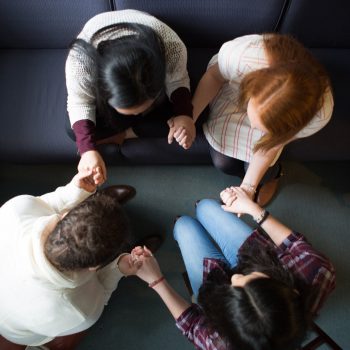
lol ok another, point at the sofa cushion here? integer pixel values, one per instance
(332, 142)
(324, 27)
(32, 85)
(208, 23)
(45, 24)
(318, 24)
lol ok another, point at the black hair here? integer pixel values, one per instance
(92, 234)
(130, 69)
(267, 313)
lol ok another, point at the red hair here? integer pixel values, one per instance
(288, 93)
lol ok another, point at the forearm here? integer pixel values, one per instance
(207, 89)
(258, 166)
(174, 302)
(65, 198)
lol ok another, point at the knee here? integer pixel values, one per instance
(182, 227)
(206, 206)
(228, 165)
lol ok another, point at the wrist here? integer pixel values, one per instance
(255, 210)
(89, 151)
(123, 263)
(248, 187)
(263, 215)
(156, 281)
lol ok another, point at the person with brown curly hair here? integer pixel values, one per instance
(62, 255)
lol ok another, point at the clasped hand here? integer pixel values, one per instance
(92, 161)
(87, 179)
(182, 128)
(237, 201)
(142, 263)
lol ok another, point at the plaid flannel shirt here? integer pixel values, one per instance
(295, 253)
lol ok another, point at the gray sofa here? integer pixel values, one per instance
(35, 36)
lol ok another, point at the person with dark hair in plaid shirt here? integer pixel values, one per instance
(255, 290)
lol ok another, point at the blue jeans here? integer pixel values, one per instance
(214, 234)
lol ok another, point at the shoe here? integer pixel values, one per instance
(122, 193)
(177, 217)
(152, 242)
(266, 192)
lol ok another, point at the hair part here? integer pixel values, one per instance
(92, 234)
(130, 69)
(267, 313)
(288, 93)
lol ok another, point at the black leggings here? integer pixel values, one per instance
(236, 167)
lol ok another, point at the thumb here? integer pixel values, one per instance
(149, 253)
(171, 135)
(170, 122)
(224, 207)
(83, 173)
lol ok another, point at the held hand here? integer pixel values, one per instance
(182, 128)
(85, 179)
(149, 270)
(128, 266)
(237, 201)
(226, 194)
(92, 160)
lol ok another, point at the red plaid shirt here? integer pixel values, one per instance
(295, 253)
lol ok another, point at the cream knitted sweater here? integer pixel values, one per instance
(81, 72)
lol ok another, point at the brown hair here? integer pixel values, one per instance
(92, 234)
(288, 93)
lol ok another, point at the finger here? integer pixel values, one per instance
(97, 178)
(84, 172)
(230, 201)
(103, 171)
(135, 257)
(222, 193)
(185, 145)
(225, 195)
(238, 190)
(147, 251)
(137, 251)
(138, 265)
(184, 141)
(181, 135)
(178, 131)
(225, 207)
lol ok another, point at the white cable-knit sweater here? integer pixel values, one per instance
(38, 302)
(81, 73)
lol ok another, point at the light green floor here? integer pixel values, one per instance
(314, 199)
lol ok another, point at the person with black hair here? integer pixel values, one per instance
(62, 255)
(126, 76)
(256, 290)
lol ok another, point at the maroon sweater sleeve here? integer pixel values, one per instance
(84, 131)
(181, 99)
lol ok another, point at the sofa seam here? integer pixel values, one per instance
(282, 16)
